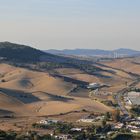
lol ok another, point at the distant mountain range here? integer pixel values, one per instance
(22, 53)
(122, 52)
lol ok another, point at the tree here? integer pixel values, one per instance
(3, 80)
(107, 116)
(103, 123)
(81, 136)
(116, 115)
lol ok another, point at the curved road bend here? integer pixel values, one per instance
(121, 93)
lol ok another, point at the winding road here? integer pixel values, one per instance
(121, 93)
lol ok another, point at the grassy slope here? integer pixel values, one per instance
(39, 93)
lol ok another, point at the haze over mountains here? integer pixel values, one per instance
(23, 53)
(97, 52)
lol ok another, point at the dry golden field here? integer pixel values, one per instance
(30, 93)
(26, 92)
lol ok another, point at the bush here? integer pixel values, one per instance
(136, 110)
(3, 80)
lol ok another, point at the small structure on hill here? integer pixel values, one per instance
(48, 122)
(93, 86)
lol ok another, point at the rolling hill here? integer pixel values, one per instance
(53, 91)
(24, 56)
(22, 53)
(39, 93)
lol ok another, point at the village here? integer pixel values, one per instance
(99, 125)
(102, 125)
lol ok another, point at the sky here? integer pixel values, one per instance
(70, 24)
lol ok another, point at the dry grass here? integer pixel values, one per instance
(42, 93)
(125, 64)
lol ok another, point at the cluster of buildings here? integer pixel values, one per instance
(47, 122)
(93, 86)
(133, 125)
(126, 123)
(132, 98)
(63, 137)
(127, 101)
(60, 136)
(96, 86)
(91, 119)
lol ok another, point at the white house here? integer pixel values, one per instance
(47, 122)
(93, 86)
(76, 129)
(86, 120)
(118, 126)
(135, 131)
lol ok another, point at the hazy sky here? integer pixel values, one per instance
(59, 24)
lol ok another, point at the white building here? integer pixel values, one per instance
(93, 86)
(86, 120)
(118, 126)
(47, 122)
(135, 131)
(76, 129)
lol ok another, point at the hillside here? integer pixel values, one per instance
(17, 52)
(54, 84)
(22, 53)
(130, 65)
(38, 93)
(26, 56)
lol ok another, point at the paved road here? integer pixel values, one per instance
(120, 104)
(121, 93)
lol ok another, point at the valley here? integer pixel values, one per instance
(59, 89)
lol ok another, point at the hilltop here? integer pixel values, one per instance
(24, 56)
(22, 53)
(48, 83)
(16, 52)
